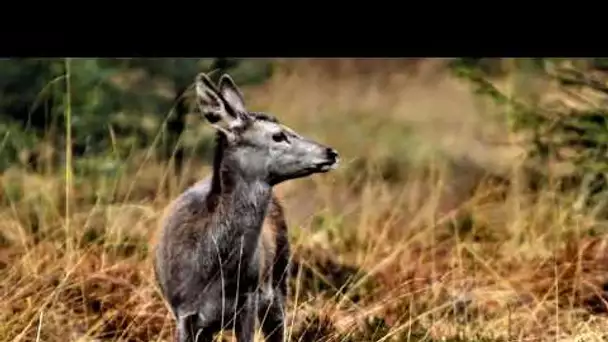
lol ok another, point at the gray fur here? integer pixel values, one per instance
(222, 258)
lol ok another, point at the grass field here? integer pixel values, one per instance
(414, 238)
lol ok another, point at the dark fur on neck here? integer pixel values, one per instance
(218, 155)
(224, 180)
(217, 179)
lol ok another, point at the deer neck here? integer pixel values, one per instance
(239, 200)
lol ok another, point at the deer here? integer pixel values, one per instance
(222, 258)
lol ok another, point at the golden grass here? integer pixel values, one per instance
(406, 241)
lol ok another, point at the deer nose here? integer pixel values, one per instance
(332, 154)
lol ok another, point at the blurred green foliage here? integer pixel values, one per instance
(122, 105)
(116, 105)
(559, 132)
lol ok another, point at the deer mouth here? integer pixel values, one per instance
(320, 167)
(328, 165)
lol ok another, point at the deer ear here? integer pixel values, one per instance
(232, 94)
(213, 107)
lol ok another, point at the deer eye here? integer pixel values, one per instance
(279, 136)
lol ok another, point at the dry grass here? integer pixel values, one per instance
(407, 241)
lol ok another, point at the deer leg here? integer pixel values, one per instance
(186, 330)
(271, 315)
(196, 327)
(245, 320)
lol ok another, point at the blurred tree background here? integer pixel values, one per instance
(566, 134)
(118, 106)
(115, 105)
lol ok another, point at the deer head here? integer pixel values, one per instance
(256, 145)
